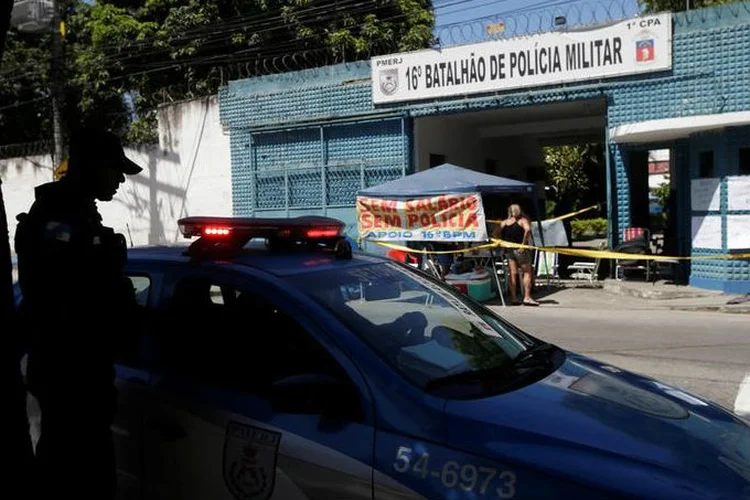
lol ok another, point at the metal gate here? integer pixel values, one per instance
(314, 169)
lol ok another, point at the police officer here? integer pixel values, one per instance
(76, 305)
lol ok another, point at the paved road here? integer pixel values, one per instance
(707, 354)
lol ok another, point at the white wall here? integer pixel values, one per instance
(20, 176)
(187, 173)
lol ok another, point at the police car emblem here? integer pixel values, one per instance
(389, 81)
(250, 461)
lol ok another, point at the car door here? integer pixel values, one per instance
(252, 399)
(132, 373)
(132, 384)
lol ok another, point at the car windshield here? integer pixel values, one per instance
(427, 330)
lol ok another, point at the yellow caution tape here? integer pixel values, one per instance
(579, 212)
(576, 252)
(562, 217)
(606, 254)
(433, 252)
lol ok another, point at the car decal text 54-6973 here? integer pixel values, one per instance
(477, 479)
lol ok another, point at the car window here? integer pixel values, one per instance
(130, 349)
(141, 287)
(231, 337)
(425, 329)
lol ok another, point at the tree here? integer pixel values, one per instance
(678, 5)
(574, 172)
(153, 51)
(482, 351)
(25, 107)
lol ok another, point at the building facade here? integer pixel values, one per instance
(306, 142)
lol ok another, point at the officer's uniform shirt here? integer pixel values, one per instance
(70, 272)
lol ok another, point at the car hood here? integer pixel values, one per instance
(613, 430)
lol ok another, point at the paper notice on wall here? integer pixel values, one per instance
(705, 194)
(738, 232)
(738, 192)
(707, 232)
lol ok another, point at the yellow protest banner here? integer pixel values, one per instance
(443, 218)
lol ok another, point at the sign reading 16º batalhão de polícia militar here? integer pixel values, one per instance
(638, 45)
(444, 218)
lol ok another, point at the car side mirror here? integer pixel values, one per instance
(316, 394)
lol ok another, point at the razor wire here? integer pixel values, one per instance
(694, 17)
(556, 15)
(540, 17)
(26, 149)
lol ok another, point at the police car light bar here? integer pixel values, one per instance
(305, 228)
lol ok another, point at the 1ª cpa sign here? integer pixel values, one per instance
(640, 45)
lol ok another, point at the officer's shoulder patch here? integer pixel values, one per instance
(249, 462)
(58, 231)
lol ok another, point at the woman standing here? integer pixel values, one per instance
(517, 229)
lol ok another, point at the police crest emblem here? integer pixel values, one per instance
(389, 81)
(249, 464)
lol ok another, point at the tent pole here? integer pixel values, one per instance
(539, 226)
(497, 278)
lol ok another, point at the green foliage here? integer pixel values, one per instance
(142, 130)
(565, 172)
(159, 51)
(480, 349)
(662, 192)
(575, 174)
(23, 78)
(597, 227)
(549, 208)
(678, 5)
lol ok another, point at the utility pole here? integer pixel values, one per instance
(56, 65)
(14, 425)
(7, 304)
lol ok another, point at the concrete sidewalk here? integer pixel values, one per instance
(620, 295)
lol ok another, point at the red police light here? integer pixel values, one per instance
(221, 237)
(323, 233)
(242, 229)
(216, 231)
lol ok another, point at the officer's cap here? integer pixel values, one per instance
(92, 146)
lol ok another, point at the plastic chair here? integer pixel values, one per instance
(587, 270)
(635, 240)
(546, 265)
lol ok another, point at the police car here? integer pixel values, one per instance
(275, 363)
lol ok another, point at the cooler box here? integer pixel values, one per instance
(477, 284)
